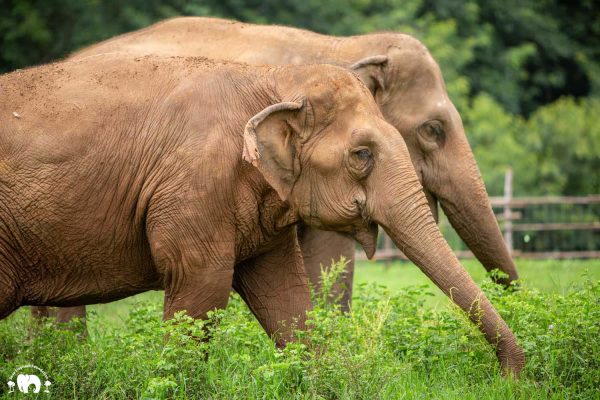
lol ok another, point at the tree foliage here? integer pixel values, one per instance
(525, 75)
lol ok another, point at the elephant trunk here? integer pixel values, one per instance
(469, 211)
(403, 212)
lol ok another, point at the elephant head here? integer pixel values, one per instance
(409, 88)
(328, 151)
(25, 380)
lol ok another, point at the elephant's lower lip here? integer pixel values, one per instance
(367, 237)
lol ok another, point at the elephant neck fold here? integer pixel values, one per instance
(271, 217)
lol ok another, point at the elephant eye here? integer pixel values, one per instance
(364, 154)
(432, 135)
(361, 162)
(435, 130)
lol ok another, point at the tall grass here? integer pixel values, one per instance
(388, 346)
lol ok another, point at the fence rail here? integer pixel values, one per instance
(578, 217)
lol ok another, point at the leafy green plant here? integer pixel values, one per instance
(390, 345)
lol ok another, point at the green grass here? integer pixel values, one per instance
(400, 341)
(548, 276)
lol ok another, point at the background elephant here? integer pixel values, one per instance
(151, 187)
(408, 87)
(24, 381)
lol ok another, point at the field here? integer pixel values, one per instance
(402, 340)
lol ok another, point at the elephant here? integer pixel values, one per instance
(409, 89)
(24, 381)
(122, 174)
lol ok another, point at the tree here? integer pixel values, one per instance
(525, 75)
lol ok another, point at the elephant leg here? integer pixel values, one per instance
(193, 248)
(205, 290)
(10, 299)
(39, 312)
(197, 270)
(62, 315)
(275, 287)
(320, 248)
(66, 314)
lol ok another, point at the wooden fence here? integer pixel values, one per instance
(510, 214)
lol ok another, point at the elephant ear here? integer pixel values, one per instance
(270, 142)
(370, 70)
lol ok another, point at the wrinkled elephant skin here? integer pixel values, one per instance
(126, 174)
(409, 89)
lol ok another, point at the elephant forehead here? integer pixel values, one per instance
(339, 91)
(327, 155)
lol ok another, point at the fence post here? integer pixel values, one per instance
(508, 225)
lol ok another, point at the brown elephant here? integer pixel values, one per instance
(120, 175)
(408, 87)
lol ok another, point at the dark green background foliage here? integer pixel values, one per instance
(525, 75)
